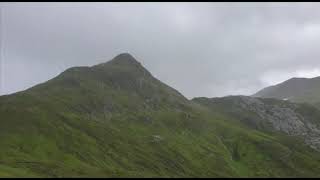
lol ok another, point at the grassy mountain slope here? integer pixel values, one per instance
(295, 89)
(271, 115)
(116, 120)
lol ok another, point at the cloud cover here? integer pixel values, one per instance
(200, 49)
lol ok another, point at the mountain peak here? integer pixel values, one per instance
(124, 59)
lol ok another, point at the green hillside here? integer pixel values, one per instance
(116, 120)
(270, 116)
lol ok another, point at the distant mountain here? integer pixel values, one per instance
(296, 90)
(116, 120)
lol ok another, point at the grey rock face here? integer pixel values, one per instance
(283, 117)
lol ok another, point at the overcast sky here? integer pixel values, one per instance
(200, 49)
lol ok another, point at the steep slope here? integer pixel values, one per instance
(116, 120)
(271, 115)
(295, 89)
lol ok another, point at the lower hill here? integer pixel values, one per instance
(271, 115)
(116, 120)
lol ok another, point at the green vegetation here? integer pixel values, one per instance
(116, 120)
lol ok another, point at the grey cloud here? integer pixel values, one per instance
(201, 49)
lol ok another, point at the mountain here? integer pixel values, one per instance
(116, 120)
(305, 90)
